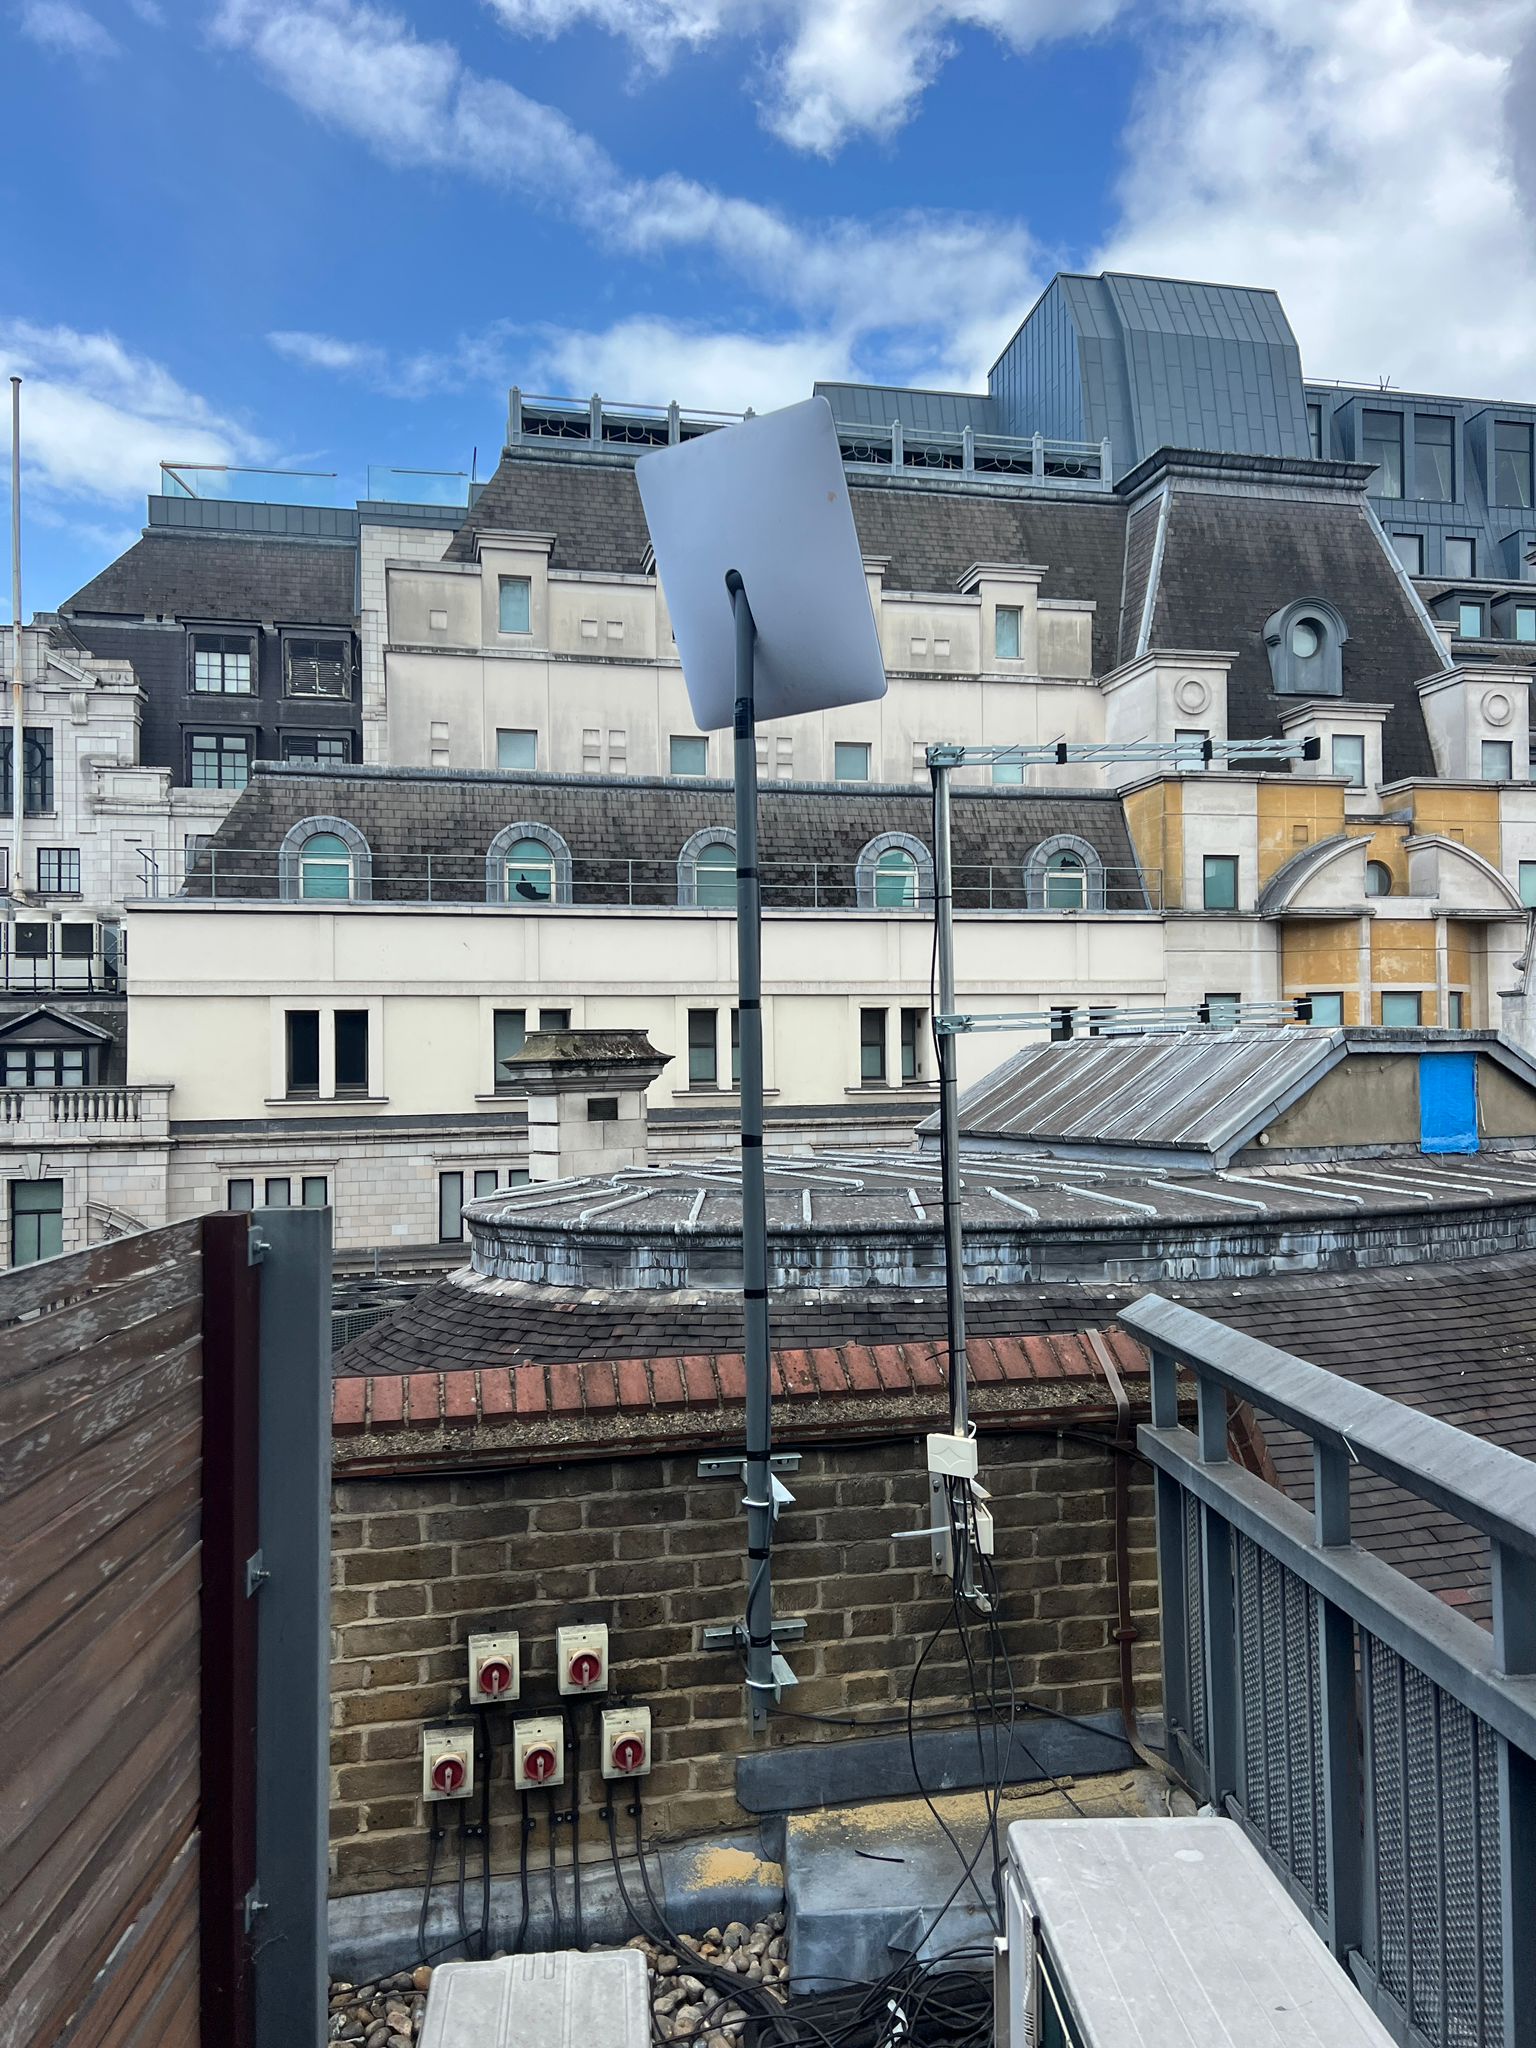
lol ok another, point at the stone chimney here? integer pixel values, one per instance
(586, 1099)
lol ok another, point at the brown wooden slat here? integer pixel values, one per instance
(59, 1442)
(34, 1556)
(95, 1469)
(54, 1282)
(162, 1929)
(65, 1339)
(87, 1582)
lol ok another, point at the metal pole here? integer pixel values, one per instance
(761, 1688)
(949, 1103)
(18, 764)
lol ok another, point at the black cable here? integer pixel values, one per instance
(462, 1911)
(487, 1761)
(575, 1748)
(528, 1824)
(433, 1840)
(557, 1930)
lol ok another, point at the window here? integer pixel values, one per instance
(220, 760)
(1434, 457)
(318, 668)
(1459, 555)
(313, 1191)
(1221, 881)
(1315, 431)
(45, 1066)
(351, 1041)
(1511, 463)
(602, 1109)
(58, 870)
(517, 749)
(515, 602)
(1528, 884)
(1381, 445)
(240, 1194)
(735, 1048)
(37, 769)
(714, 877)
(688, 756)
(279, 1193)
(1066, 881)
(703, 1068)
(1378, 878)
(850, 761)
(1191, 742)
(485, 1182)
(450, 1208)
(302, 1052)
(1008, 771)
(530, 873)
(1525, 622)
(1401, 1009)
(912, 1044)
(895, 880)
(1498, 760)
(1455, 1010)
(330, 748)
(1348, 757)
(1409, 549)
(1469, 621)
(325, 869)
(1328, 1008)
(1305, 644)
(1005, 638)
(31, 941)
(1224, 1010)
(223, 664)
(554, 1020)
(871, 1045)
(509, 1031)
(37, 1220)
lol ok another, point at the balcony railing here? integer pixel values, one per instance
(51, 971)
(36, 1115)
(230, 875)
(1030, 458)
(1378, 1747)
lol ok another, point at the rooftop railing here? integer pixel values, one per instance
(35, 959)
(223, 875)
(1378, 1746)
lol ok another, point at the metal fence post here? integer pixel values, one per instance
(288, 1918)
(1517, 1891)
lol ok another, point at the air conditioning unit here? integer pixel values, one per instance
(1124, 1932)
(558, 2000)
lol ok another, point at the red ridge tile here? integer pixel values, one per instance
(349, 1406)
(565, 1389)
(731, 1368)
(598, 1385)
(863, 1373)
(496, 1393)
(698, 1382)
(667, 1383)
(387, 1400)
(528, 1390)
(459, 1397)
(424, 1393)
(892, 1368)
(634, 1383)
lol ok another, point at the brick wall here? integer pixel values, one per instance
(639, 1541)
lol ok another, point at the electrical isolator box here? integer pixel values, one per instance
(493, 1670)
(448, 1762)
(581, 1657)
(626, 1748)
(538, 1752)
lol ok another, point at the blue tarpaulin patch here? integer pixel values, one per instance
(1448, 1102)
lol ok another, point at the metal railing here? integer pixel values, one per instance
(1028, 457)
(231, 875)
(1377, 1746)
(102, 971)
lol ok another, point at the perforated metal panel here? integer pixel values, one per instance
(1194, 1608)
(1280, 1717)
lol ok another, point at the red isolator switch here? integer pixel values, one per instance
(538, 1752)
(626, 1745)
(494, 1675)
(494, 1678)
(581, 1657)
(448, 1761)
(629, 1753)
(586, 1668)
(448, 1775)
(539, 1763)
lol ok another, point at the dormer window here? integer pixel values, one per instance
(1305, 643)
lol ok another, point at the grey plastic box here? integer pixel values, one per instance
(560, 2000)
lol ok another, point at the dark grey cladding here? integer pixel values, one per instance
(219, 576)
(625, 834)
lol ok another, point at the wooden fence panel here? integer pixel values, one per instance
(101, 1409)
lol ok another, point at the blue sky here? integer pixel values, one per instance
(323, 234)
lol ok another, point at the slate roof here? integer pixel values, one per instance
(609, 823)
(221, 576)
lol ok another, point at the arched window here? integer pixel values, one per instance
(894, 872)
(1066, 881)
(714, 878)
(528, 873)
(1378, 878)
(324, 860)
(526, 865)
(1305, 643)
(325, 868)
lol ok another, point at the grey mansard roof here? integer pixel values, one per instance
(218, 576)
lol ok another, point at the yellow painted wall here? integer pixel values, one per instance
(1293, 815)
(1403, 957)
(1389, 845)
(1155, 816)
(1319, 955)
(1470, 816)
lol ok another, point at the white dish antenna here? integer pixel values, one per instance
(768, 499)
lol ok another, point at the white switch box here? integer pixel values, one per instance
(448, 1762)
(538, 1752)
(494, 1674)
(626, 1742)
(953, 1456)
(581, 1657)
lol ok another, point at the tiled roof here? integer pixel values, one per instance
(219, 576)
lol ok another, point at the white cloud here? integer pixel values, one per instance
(327, 352)
(97, 419)
(66, 29)
(651, 361)
(830, 68)
(1361, 157)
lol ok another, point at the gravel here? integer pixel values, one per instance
(389, 2013)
